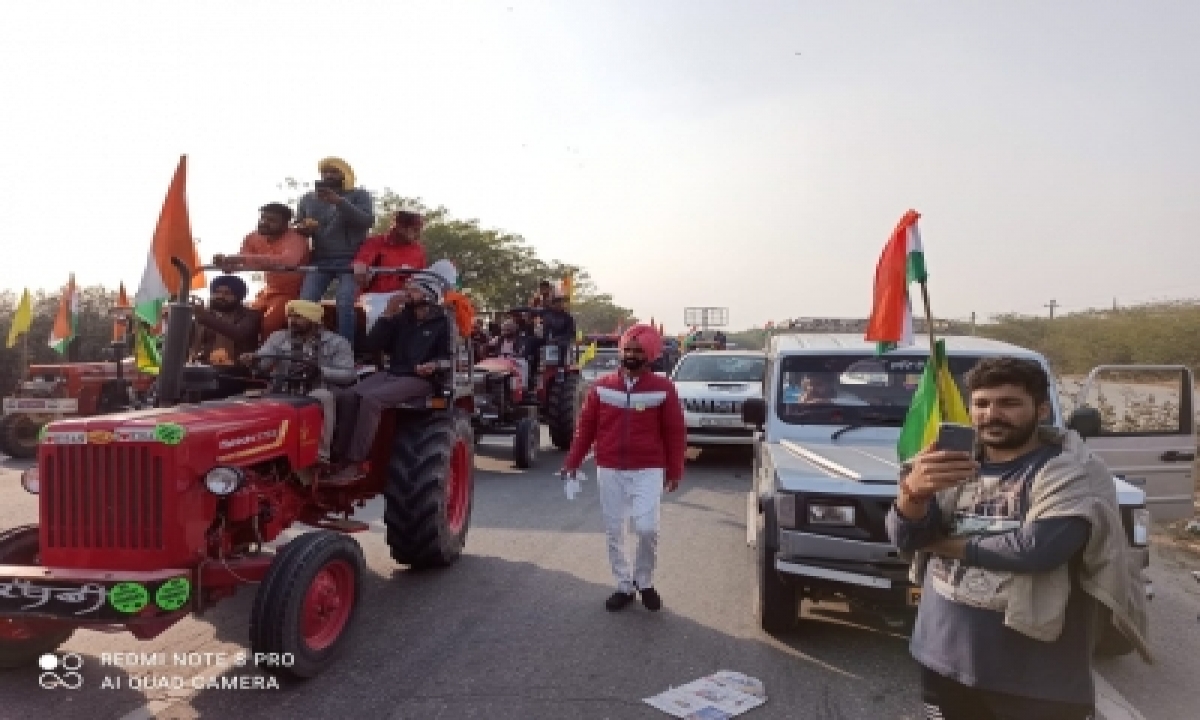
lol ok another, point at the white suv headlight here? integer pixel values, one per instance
(837, 515)
(222, 481)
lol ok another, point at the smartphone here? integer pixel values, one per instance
(955, 438)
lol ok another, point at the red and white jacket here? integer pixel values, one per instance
(633, 428)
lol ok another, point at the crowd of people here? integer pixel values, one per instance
(405, 302)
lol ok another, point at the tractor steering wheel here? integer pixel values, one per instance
(300, 378)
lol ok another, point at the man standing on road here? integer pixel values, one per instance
(1017, 549)
(634, 419)
(337, 215)
(273, 246)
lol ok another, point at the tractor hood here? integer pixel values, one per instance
(235, 432)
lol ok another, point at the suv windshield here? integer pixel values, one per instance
(841, 389)
(720, 368)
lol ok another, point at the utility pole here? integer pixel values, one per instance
(1052, 304)
(972, 322)
(1114, 304)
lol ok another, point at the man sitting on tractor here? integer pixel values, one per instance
(275, 245)
(329, 354)
(416, 336)
(224, 331)
(511, 344)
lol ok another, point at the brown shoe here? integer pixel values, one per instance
(348, 475)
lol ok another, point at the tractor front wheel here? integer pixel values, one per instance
(19, 436)
(22, 642)
(306, 603)
(430, 489)
(562, 407)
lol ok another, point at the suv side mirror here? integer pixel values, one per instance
(1085, 420)
(754, 412)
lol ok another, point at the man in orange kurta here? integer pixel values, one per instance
(274, 245)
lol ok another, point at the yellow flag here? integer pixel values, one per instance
(21, 319)
(587, 355)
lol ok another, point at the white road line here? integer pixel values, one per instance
(1110, 705)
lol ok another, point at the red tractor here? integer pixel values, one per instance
(50, 392)
(151, 515)
(505, 405)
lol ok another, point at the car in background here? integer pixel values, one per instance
(712, 387)
(606, 361)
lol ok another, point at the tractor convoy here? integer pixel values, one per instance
(147, 516)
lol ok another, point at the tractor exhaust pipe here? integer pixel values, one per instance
(179, 335)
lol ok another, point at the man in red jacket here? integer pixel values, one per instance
(634, 419)
(400, 247)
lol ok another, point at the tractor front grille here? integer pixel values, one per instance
(102, 496)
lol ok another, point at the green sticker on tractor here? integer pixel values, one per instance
(42, 432)
(169, 433)
(128, 597)
(173, 594)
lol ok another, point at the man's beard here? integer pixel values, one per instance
(1011, 437)
(223, 305)
(633, 364)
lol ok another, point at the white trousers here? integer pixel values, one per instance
(631, 498)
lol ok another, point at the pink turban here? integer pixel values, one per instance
(647, 337)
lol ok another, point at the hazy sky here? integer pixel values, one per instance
(748, 154)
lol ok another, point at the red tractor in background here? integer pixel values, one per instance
(148, 516)
(51, 392)
(553, 395)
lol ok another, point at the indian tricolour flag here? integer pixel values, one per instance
(172, 238)
(67, 319)
(902, 263)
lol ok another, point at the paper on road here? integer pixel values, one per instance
(722, 695)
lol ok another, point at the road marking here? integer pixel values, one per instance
(1110, 705)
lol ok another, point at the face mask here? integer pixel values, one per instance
(633, 363)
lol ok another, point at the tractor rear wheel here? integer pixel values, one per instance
(430, 489)
(526, 441)
(22, 642)
(306, 603)
(19, 436)
(562, 407)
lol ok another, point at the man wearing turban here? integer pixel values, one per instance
(634, 420)
(226, 328)
(337, 216)
(329, 352)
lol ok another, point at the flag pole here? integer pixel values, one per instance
(933, 357)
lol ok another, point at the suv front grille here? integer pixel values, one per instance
(102, 496)
(714, 407)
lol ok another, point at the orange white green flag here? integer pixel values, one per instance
(172, 238)
(902, 263)
(66, 321)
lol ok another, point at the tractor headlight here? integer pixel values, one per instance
(1141, 526)
(31, 480)
(836, 515)
(223, 480)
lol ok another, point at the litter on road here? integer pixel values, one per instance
(722, 695)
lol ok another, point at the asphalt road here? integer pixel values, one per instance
(517, 628)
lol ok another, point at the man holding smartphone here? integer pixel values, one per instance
(1017, 546)
(337, 216)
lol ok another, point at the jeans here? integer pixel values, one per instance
(314, 287)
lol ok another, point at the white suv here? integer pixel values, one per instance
(712, 386)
